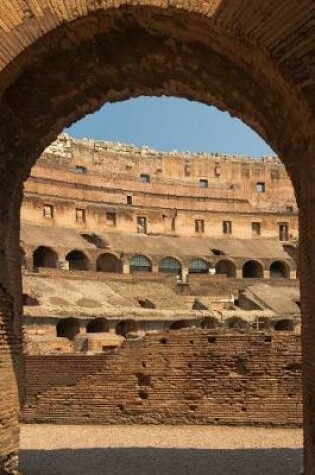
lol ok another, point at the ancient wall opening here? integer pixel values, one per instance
(77, 260)
(253, 270)
(226, 267)
(108, 263)
(68, 328)
(140, 263)
(98, 325)
(170, 265)
(45, 257)
(279, 270)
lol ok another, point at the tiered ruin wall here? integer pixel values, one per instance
(180, 377)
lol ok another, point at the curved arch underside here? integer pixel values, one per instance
(60, 60)
(90, 56)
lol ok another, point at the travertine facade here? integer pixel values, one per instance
(60, 60)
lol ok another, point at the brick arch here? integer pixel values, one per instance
(61, 60)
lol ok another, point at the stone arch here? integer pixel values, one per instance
(198, 266)
(98, 325)
(236, 323)
(108, 262)
(77, 260)
(226, 267)
(279, 270)
(285, 325)
(126, 326)
(248, 66)
(209, 323)
(170, 265)
(140, 263)
(253, 269)
(44, 256)
(180, 325)
(68, 328)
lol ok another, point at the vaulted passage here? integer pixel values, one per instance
(61, 60)
(253, 270)
(108, 263)
(77, 260)
(45, 257)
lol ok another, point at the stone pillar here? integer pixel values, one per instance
(155, 269)
(29, 263)
(11, 362)
(266, 274)
(306, 204)
(126, 268)
(239, 273)
(292, 274)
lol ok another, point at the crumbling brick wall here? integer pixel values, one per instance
(185, 376)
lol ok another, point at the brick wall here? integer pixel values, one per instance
(180, 377)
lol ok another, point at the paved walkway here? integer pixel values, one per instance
(159, 450)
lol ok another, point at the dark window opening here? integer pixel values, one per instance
(260, 187)
(252, 270)
(139, 263)
(80, 215)
(129, 200)
(45, 257)
(98, 325)
(284, 231)
(180, 325)
(218, 252)
(146, 303)
(145, 178)
(203, 183)
(68, 328)
(198, 266)
(199, 226)
(77, 260)
(111, 219)
(80, 170)
(141, 225)
(109, 263)
(227, 227)
(170, 265)
(285, 325)
(126, 326)
(278, 270)
(48, 211)
(256, 229)
(225, 267)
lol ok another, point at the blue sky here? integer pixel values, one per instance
(171, 124)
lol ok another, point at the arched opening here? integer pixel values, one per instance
(198, 266)
(77, 260)
(253, 270)
(45, 257)
(209, 323)
(236, 323)
(68, 328)
(279, 270)
(108, 263)
(98, 325)
(126, 326)
(180, 325)
(226, 267)
(170, 265)
(285, 325)
(140, 263)
(262, 74)
(262, 323)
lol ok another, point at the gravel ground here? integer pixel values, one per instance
(159, 450)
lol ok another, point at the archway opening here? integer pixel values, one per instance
(124, 327)
(253, 270)
(180, 325)
(226, 267)
(98, 325)
(236, 323)
(68, 328)
(170, 265)
(109, 263)
(209, 323)
(198, 266)
(285, 325)
(77, 260)
(45, 257)
(140, 263)
(279, 270)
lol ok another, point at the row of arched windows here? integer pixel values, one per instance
(77, 260)
(70, 327)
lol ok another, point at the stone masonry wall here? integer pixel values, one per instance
(180, 377)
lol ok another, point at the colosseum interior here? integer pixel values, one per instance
(144, 281)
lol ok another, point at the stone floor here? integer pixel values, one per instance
(159, 450)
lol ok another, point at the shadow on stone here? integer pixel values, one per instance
(150, 461)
